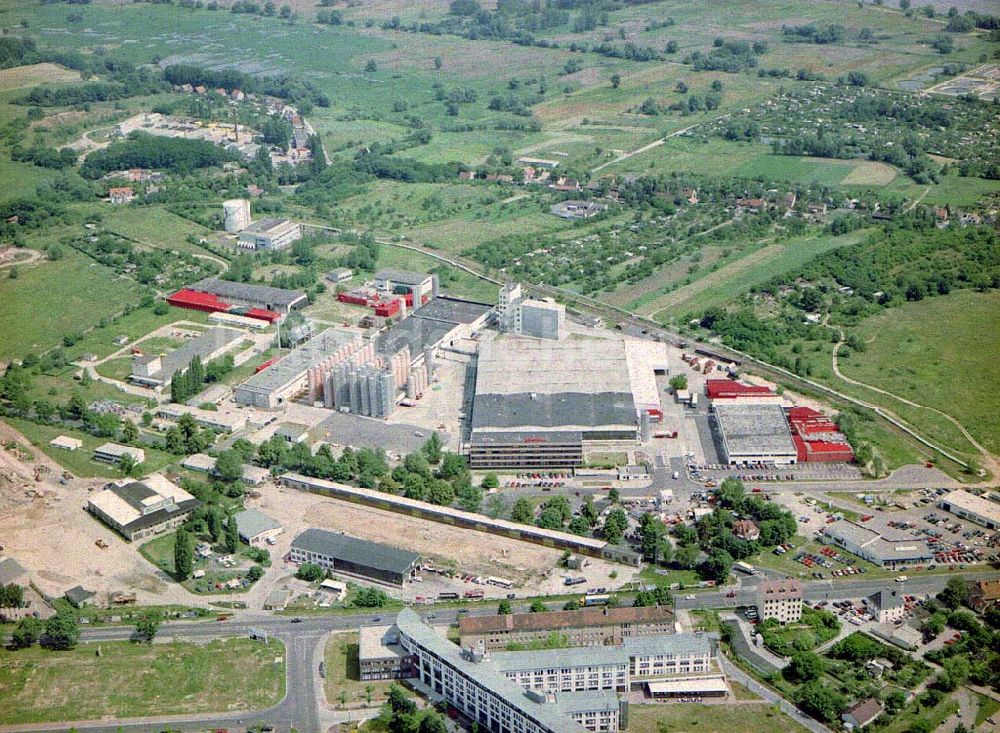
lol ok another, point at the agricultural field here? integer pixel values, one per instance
(135, 680)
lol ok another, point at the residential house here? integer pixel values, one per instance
(861, 713)
(120, 195)
(984, 594)
(745, 529)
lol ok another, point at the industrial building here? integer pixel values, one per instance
(139, 509)
(730, 389)
(156, 370)
(113, 452)
(269, 234)
(300, 369)
(870, 545)
(221, 421)
(779, 599)
(583, 627)
(262, 297)
(422, 286)
(346, 555)
(523, 316)
(550, 690)
(236, 215)
(540, 403)
(976, 509)
(750, 433)
(255, 527)
(817, 438)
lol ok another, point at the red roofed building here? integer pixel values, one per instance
(122, 195)
(730, 389)
(817, 438)
(745, 529)
(194, 300)
(263, 315)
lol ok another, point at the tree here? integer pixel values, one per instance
(432, 722)
(27, 632)
(490, 481)
(504, 608)
(183, 554)
(398, 703)
(62, 631)
(955, 593)
(718, 565)
(686, 556)
(804, 666)
(214, 521)
(255, 573)
(432, 449)
(615, 525)
(579, 525)
(616, 80)
(130, 432)
(730, 494)
(232, 536)
(310, 571)
(147, 625)
(821, 701)
(11, 595)
(651, 530)
(523, 511)
(438, 63)
(371, 66)
(537, 606)
(127, 464)
(229, 466)
(370, 598)
(678, 382)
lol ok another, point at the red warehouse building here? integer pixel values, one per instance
(730, 389)
(817, 438)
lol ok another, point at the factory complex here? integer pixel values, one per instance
(751, 427)
(540, 402)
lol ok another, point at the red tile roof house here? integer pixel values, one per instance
(861, 713)
(120, 195)
(746, 530)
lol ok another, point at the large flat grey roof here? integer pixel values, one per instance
(291, 367)
(247, 291)
(208, 343)
(251, 522)
(567, 410)
(10, 570)
(354, 550)
(754, 429)
(547, 716)
(429, 325)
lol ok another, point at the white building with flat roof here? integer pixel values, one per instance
(138, 509)
(113, 452)
(976, 509)
(780, 600)
(269, 234)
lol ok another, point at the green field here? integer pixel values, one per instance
(134, 680)
(938, 352)
(77, 293)
(80, 462)
(719, 718)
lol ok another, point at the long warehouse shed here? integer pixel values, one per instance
(459, 518)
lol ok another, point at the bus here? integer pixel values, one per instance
(574, 581)
(447, 596)
(596, 600)
(743, 567)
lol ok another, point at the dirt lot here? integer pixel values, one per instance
(53, 536)
(529, 566)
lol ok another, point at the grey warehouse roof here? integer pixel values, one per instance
(402, 276)
(244, 291)
(754, 429)
(251, 522)
(429, 325)
(565, 409)
(263, 226)
(585, 656)
(354, 550)
(508, 437)
(484, 674)
(292, 366)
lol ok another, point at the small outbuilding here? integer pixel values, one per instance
(255, 527)
(79, 597)
(66, 443)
